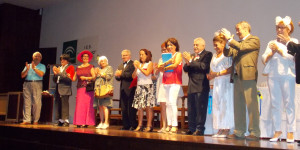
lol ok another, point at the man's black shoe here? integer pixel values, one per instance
(58, 123)
(131, 128)
(188, 132)
(66, 124)
(198, 133)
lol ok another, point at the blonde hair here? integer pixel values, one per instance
(244, 24)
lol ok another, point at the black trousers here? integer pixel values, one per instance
(61, 107)
(197, 110)
(128, 112)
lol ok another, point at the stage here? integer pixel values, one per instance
(47, 136)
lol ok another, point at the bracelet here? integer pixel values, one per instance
(218, 74)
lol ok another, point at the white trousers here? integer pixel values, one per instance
(282, 89)
(171, 96)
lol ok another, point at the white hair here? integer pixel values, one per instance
(102, 58)
(37, 53)
(201, 40)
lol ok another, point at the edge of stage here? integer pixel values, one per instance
(45, 136)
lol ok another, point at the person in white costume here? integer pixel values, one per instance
(220, 69)
(160, 91)
(280, 68)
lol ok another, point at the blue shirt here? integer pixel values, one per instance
(31, 75)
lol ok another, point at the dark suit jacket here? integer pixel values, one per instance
(244, 55)
(65, 83)
(296, 49)
(197, 71)
(126, 77)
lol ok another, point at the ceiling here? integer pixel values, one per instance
(32, 4)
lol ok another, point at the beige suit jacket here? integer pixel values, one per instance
(244, 55)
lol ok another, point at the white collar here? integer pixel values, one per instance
(245, 37)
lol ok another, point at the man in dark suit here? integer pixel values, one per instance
(244, 54)
(293, 49)
(197, 66)
(63, 91)
(124, 74)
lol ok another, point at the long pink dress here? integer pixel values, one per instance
(84, 111)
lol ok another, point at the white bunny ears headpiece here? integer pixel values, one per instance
(286, 21)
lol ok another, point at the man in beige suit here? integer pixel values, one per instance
(244, 76)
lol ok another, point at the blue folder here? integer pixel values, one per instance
(165, 57)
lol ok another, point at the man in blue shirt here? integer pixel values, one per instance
(32, 89)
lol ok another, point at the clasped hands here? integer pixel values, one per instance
(99, 73)
(28, 66)
(273, 46)
(187, 56)
(136, 64)
(162, 65)
(56, 70)
(118, 73)
(211, 75)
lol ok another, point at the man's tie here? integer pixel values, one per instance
(124, 64)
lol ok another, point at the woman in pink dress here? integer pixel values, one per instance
(84, 111)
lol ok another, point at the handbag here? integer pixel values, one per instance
(103, 91)
(90, 86)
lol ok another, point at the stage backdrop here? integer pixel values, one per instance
(137, 24)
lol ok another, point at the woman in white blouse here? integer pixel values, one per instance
(144, 94)
(280, 68)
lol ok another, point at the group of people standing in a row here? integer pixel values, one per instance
(233, 68)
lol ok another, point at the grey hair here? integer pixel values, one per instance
(126, 50)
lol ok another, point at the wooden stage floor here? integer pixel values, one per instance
(15, 136)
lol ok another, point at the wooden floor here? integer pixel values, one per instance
(51, 137)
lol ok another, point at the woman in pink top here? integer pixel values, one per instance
(84, 111)
(172, 81)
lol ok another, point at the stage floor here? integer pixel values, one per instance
(145, 140)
